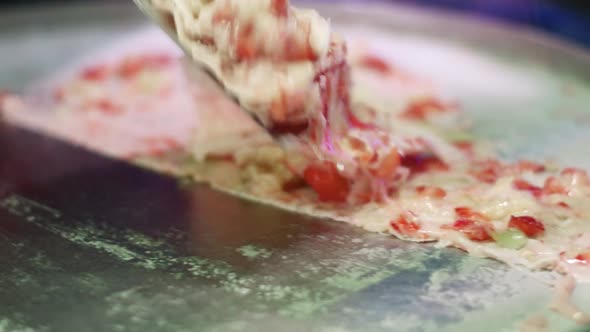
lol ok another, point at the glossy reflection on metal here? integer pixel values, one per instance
(85, 239)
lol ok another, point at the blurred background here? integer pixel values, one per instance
(569, 19)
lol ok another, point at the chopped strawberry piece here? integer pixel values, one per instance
(573, 171)
(563, 205)
(403, 226)
(280, 7)
(423, 162)
(95, 73)
(207, 41)
(468, 213)
(356, 144)
(576, 176)
(528, 225)
(158, 146)
(553, 186)
(389, 165)
(523, 185)
(246, 48)
(474, 231)
(487, 171)
(288, 128)
(170, 143)
(132, 66)
(431, 192)
(465, 146)
(299, 50)
(583, 258)
(279, 108)
(419, 110)
(327, 182)
(223, 15)
(355, 122)
(487, 175)
(106, 106)
(567, 182)
(526, 165)
(375, 63)
(367, 113)
(362, 153)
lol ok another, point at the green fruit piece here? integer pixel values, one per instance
(511, 238)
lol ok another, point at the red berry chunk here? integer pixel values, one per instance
(420, 110)
(526, 165)
(523, 185)
(467, 213)
(95, 73)
(563, 205)
(553, 186)
(403, 226)
(105, 106)
(207, 41)
(280, 7)
(474, 231)
(488, 171)
(574, 171)
(528, 225)
(431, 192)
(465, 146)
(327, 182)
(246, 48)
(389, 165)
(159, 146)
(423, 162)
(583, 258)
(576, 176)
(375, 63)
(295, 50)
(132, 66)
(355, 122)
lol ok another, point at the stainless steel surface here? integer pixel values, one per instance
(91, 244)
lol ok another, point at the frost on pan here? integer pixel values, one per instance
(253, 252)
